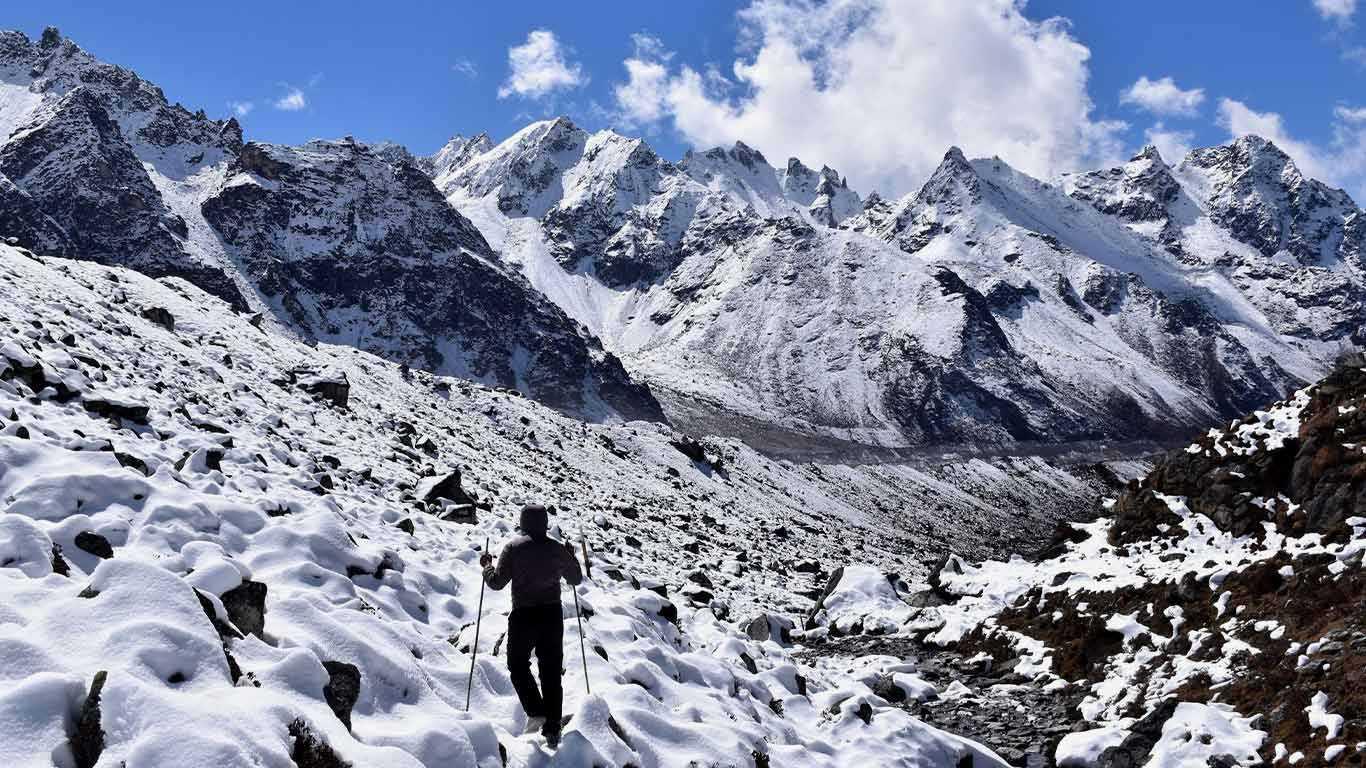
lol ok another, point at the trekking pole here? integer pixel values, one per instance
(478, 619)
(578, 614)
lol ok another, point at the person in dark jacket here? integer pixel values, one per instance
(533, 564)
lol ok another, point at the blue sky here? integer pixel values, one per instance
(933, 74)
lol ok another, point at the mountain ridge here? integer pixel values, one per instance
(774, 300)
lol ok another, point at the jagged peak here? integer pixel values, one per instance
(1244, 152)
(1149, 153)
(747, 155)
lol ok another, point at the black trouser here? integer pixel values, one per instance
(538, 628)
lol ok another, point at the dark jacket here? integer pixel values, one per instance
(534, 564)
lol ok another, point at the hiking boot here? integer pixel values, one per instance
(552, 735)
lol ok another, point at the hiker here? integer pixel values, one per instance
(534, 564)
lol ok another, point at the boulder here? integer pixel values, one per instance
(160, 316)
(342, 689)
(332, 387)
(309, 751)
(95, 544)
(246, 607)
(117, 408)
(766, 626)
(444, 486)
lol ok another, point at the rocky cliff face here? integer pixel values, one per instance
(73, 126)
(355, 246)
(335, 241)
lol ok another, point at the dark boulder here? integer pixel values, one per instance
(246, 607)
(446, 486)
(160, 316)
(335, 389)
(95, 544)
(116, 409)
(342, 689)
(309, 751)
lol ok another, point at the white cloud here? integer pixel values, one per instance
(466, 68)
(241, 108)
(1340, 162)
(1172, 144)
(293, 101)
(881, 88)
(1163, 97)
(1336, 10)
(539, 68)
(1350, 114)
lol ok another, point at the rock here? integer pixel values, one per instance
(1143, 736)
(88, 741)
(59, 565)
(159, 315)
(309, 751)
(225, 630)
(700, 579)
(830, 585)
(766, 626)
(246, 607)
(444, 486)
(690, 448)
(458, 513)
(887, 688)
(95, 544)
(117, 409)
(334, 388)
(342, 689)
(406, 525)
(947, 564)
(669, 612)
(132, 462)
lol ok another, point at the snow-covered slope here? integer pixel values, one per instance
(232, 525)
(1218, 609)
(331, 240)
(980, 309)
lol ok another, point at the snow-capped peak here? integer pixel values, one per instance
(456, 153)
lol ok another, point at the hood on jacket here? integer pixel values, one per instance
(534, 521)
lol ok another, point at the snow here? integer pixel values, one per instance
(344, 583)
(1320, 717)
(1082, 749)
(865, 596)
(1197, 732)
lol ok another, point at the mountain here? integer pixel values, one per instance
(334, 241)
(769, 303)
(1215, 614)
(775, 305)
(1294, 247)
(221, 544)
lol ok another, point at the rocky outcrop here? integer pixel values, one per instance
(1303, 453)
